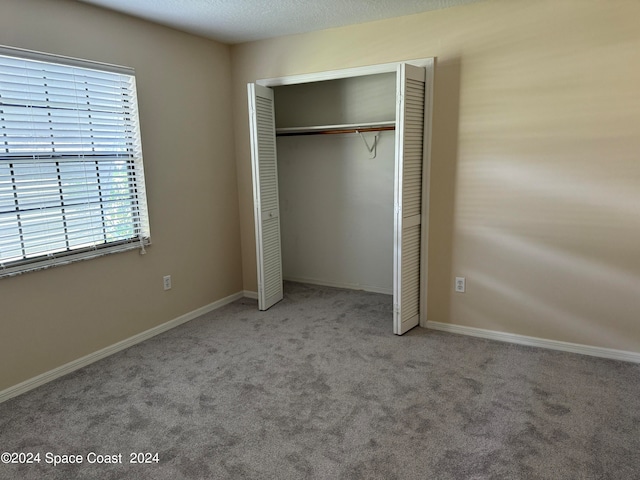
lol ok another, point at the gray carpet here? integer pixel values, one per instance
(319, 387)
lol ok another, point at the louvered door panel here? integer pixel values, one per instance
(265, 195)
(408, 196)
(413, 140)
(410, 299)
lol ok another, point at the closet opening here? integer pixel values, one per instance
(336, 202)
(340, 174)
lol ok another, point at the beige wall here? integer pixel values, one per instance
(51, 317)
(535, 187)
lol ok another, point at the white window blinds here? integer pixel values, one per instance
(71, 173)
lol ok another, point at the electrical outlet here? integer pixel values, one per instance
(461, 284)
(166, 281)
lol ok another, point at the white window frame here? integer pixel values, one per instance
(123, 156)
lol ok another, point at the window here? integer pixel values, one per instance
(71, 173)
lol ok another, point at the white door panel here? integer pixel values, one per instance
(265, 195)
(408, 197)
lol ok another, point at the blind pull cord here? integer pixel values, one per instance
(142, 250)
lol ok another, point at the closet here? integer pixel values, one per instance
(340, 164)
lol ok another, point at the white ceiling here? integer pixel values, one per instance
(237, 21)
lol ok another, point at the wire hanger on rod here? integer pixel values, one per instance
(374, 147)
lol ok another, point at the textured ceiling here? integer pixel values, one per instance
(236, 21)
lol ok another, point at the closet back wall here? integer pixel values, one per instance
(336, 211)
(369, 98)
(336, 203)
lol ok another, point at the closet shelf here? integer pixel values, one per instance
(336, 129)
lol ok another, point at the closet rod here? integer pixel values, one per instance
(337, 128)
(335, 131)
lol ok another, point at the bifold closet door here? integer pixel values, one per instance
(265, 195)
(410, 135)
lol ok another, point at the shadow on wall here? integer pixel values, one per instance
(546, 201)
(567, 295)
(444, 166)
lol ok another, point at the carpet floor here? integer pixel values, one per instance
(318, 387)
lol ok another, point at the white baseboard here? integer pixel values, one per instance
(250, 294)
(110, 350)
(349, 286)
(537, 342)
